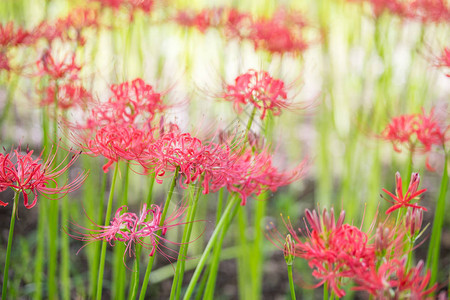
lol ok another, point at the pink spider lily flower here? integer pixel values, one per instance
(334, 250)
(427, 11)
(416, 131)
(58, 69)
(67, 96)
(11, 37)
(401, 200)
(391, 280)
(259, 89)
(444, 60)
(132, 229)
(23, 173)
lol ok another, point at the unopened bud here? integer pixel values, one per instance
(289, 250)
(413, 221)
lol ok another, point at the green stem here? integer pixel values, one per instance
(178, 279)
(135, 286)
(435, 241)
(8, 249)
(214, 265)
(119, 280)
(163, 218)
(232, 204)
(291, 282)
(104, 243)
(325, 291)
(97, 249)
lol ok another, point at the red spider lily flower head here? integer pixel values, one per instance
(416, 131)
(23, 173)
(429, 11)
(403, 200)
(394, 7)
(444, 60)
(281, 34)
(392, 280)
(131, 229)
(401, 130)
(75, 22)
(389, 241)
(118, 141)
(4, 62)
(252, 173)
(334, 250)
(67, 96)
(9, 37)
(201, 20)
(259, 89)
(58, 69)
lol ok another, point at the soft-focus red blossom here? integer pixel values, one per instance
(132, 229)
(118, 141)
(28, 175)
(10, 37)
(401, 200)
(416, 131)
(4, 62)
(429, 11)
(391, 280)
(260, 89)
(131, 5)
(68, 95)
(444, 60)
(201, 20)
(66, 68)
(280, 34)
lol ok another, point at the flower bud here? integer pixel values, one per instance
(289, 250)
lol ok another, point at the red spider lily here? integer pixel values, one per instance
(252, 173)
(9, 37)
(66, 68)
(23, 173)
(259, 89)
(130, 228)
(68, 95)
(118, 141)
(404, 200)
(417, 131)
(394, 7)
(444, 59)
(280, 34)
(201, 21)
(4, 62)
(429, 11)
(413, 221)
(391, 280)
(334, 250)
(132, 102)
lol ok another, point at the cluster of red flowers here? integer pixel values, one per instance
(28, 175)
(337, 252)
(121, 127)
(420, 10)
(444, 60)
(282, 33)
(260, 89)
(129, 228)
(216, 165)
(416, 131)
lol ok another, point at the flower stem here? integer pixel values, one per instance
(161, 223)
(234, 204)
(433, 249)
(181, 261)
(8, 249)
(104, 243)
(291, 282)
(135, 286)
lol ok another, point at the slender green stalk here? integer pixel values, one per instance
(65, 254)
(215, 261)
(135, 284)
(438, 221)
(179, 274)
(119, 269)
(97, 246)
(245, 281)
(163, 218)
(8, 248)
(291, 282)
(234, 204)
(101, 267)
(325, 291)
